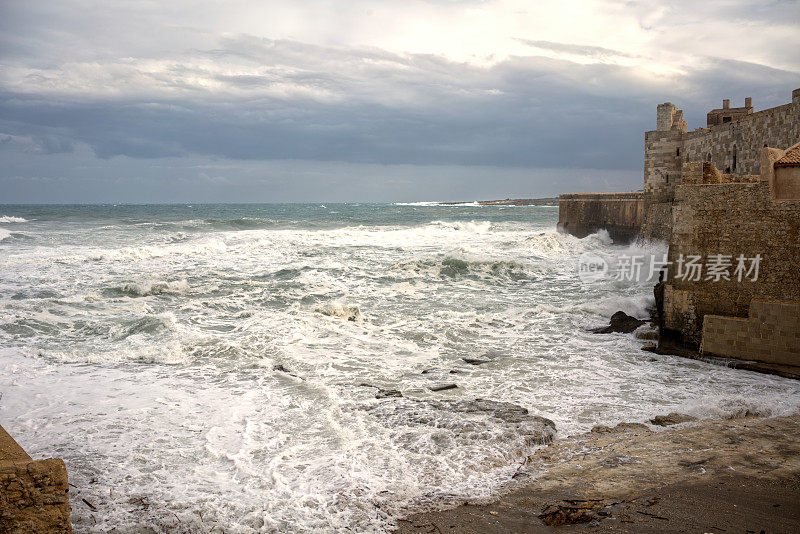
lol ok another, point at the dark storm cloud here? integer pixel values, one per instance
(528, 112)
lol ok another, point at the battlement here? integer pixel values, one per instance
(670, 118)
(728, 114)
(732, 142)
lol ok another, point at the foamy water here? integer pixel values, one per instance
(201, 367)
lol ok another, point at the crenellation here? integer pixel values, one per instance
(733, 147)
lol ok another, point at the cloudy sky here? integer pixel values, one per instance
(364, 100)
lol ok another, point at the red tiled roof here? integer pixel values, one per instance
(791, 158)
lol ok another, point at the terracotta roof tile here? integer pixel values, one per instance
(791, 158)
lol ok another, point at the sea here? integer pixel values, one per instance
(238, 368)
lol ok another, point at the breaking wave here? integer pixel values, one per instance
(146, 289)
(452, 267)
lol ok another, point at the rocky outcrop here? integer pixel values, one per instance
(620, 322)
(672, 418)
(734, 475)
(34, 494)
(405, 413)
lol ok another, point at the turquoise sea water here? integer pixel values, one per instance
(202, 366)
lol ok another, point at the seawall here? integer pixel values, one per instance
(622, 214)
(34, 494)
(730, 219)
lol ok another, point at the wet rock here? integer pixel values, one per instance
(649, 347)
(556, 515)
(621, 427)
(505, 411)
(35, 496)
(620, 322)
(427, 371)
(282, 369)
(616, 460)
(385, 393)
(443, 387)
(647, 333)
(463, 419)
(673, 418)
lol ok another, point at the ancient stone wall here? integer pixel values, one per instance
(771, 333)
(704, 172)
(732, 147)
(34, 494)
(657, 224)
(662, 164)
(786, 184)
(735, 147)
(621, 214)
(730, 219)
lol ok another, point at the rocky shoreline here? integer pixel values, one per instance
(738, 475)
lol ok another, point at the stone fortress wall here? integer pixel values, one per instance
(732, 146)
(621, 214)
(736, 193)
(731, 219)
(731, 142)
(731, 188)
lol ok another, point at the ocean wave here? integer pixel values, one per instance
(10, 219)
(453, 267)
(476, 227)
(241, 223)
(146, 289)
(738, 407)
(601, 235)
(4, 234)
(149, 324)
(154, 251)
(133, 350)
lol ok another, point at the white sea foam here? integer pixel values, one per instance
(216, 382)
(10, 219)
(4, 234)
(155, 288)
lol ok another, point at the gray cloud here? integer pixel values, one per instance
(192, 97)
